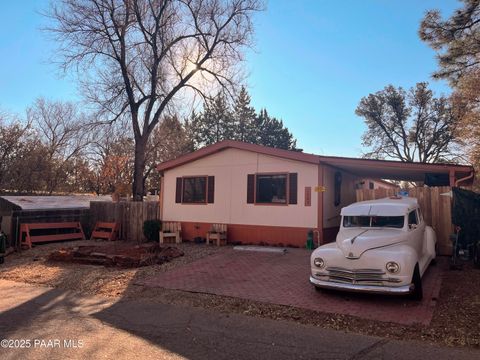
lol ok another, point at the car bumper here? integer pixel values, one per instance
(393, 290)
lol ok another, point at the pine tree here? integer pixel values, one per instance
(169, 140)
(244, 117)
(195, 129)
(219, 122)
(271, 132)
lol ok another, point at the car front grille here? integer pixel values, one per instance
(357, 276)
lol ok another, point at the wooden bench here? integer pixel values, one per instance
(171, 230)
(26, 238)
(106, 231)
(217, 232)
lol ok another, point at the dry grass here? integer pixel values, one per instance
(33, 267)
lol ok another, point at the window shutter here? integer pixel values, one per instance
(338, 189)
(178, 192)
(292, 188)
(211, 189)
(308, 196)
(250, 188)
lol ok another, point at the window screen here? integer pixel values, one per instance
(194, 189)
(271, 189)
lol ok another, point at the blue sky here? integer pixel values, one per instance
(313, 61)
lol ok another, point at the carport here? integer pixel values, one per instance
(429, 174)
(433, 182)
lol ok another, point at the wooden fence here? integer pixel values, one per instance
(436, 209)
(130, 215)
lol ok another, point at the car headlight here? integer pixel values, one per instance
(318, 262)
(392, 267)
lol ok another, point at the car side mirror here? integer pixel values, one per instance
(412, 226)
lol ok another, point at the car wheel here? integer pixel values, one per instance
(417, 293)
(434, 261)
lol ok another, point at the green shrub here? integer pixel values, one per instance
(151, 229)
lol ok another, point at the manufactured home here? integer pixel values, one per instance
(273, 196)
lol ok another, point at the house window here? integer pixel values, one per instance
(194, 190)
(271, 189)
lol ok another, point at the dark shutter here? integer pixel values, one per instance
(250, 188)
(211, 189)
(308, 196)
(338, 189)
(178, 192)
(292, 185)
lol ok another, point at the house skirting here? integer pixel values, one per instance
(251, 234)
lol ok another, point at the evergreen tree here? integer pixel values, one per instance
(169, 140)
(219, 121)
(244, 118)
(456, 40)
(271, 132)
(214, 124)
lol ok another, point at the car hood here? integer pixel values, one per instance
(354, 242)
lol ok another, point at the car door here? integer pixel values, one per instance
(422, 226)
(416, 228)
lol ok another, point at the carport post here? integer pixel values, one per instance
(452, 178)
(320, 204)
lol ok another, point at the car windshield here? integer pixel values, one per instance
(374, 221)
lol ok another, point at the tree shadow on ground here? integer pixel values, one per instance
(195, 333)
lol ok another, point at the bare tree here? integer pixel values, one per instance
(142, 58)
(12, 137)
(64, 132)
(111, 158)
(410, 126)
(23, 161)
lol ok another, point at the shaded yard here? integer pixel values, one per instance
(455, 320)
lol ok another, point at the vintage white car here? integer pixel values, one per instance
(383, 246)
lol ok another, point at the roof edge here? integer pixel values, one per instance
(232, 144)
(302, 157)
(328, 160)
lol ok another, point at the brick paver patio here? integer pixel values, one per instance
(283, 279)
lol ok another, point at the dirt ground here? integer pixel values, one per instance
(32, 266)
(456, 320)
